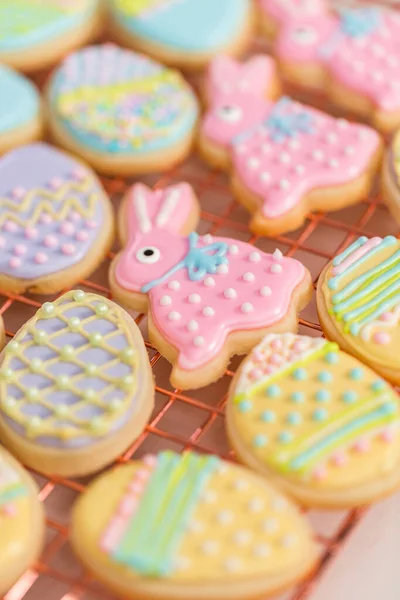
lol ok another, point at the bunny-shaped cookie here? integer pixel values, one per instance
(208, 298)
(353, 55)
(286, 158)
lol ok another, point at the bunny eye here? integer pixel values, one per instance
(305, 35)
(229, 112)
(149, 255)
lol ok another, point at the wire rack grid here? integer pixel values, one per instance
(192, 420)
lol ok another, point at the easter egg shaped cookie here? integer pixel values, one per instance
(316, 421)
(20, 111)
(75, 386)
(184, 33)
(190, 527)
(358, 300)
(21, 521)
(56, 222)
(123, 112)
(34, 34)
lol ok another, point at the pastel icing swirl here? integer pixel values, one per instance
(114, 100)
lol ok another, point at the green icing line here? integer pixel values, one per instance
(16, 491)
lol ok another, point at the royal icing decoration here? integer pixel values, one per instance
(70, 376)
(19, 100)
(307, 410)
(394, 159)
(184, 25)
(207, 519)
(52, 211)
(281, 151)
(200, 288)
(114, 100)
(11, 489)
(25, 23)
(358, 47)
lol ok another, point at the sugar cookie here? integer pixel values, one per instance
(183, 33)
(35, 34)
(207, 297)
(391, 177)
(190, 527)
(121, 111)
(352, 55)
(21, 521)
(358, 300)
(56, 222)
(315, 421)
(286, 158)
(76, 386)
(20, 110)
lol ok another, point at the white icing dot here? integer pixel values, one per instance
(255, 257)
(299, 169)
(240, 484)
(194, 298)
(174, 285)
(265, 291)
(192, 325)
(377, 76)
(247, 307)
(294, 144)
(349, 150)
(195, 526)
(209, 547)
(253, 162)
(284, 158)
(234, 249)
(333, 163)
(332, 138)
(208, 238)
(241, 537)
(209, 281)
(198, 340)
(224, 517)
(230, 293)
(318, 155)
(174, 316)
(265, 176)
(277, 254)
(262, 550)
(270, 525)
(232, 564)
(278, 504)
(166, 301)
(208, 311)
(249, 276)
(275, 268)
(209, 496)
(288, 540)
(222, 269)
(284, 184)
(342, 124)
(255, 504)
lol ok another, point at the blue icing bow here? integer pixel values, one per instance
(360, 22)
(284, 124)
(198, 262)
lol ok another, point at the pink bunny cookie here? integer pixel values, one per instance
(353, 55)
(274, 12)
(208, 298)
(286, 158)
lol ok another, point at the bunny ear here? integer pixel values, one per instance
(222, 73)
(256, 75)
(174, 207)
(137, 213)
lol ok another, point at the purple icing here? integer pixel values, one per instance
(52, 243)
(90, 355)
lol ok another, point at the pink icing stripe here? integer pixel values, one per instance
(375, 241)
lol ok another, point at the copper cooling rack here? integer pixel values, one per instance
(192, 420)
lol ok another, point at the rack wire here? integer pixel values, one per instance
(195, 419)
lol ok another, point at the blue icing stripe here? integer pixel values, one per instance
(27, 23)
(19, 100)
(187, 25)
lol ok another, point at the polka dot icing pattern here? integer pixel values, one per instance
(19, 100)
(361, 290)
(358, 47)
(184, 25)
(25, 23)
(51, 212)
(334, 429)
(199, 287)
(280, 151)
(69, 377)
(114, 100)
(219, 519)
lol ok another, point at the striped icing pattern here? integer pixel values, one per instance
(11, 487)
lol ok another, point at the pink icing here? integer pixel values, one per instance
(368, 64)
(382, 337)
(356, 255)
(178, 311)
(282, 169)
(31, 233)
(41, 258)
(280, 9)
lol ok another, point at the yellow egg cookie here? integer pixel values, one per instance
(76, 386)
(315, 421)
(190, 527)
(21, 521)
(358, 300)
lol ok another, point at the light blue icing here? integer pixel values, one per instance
(361, 22)
(19, 100)
(140, 120)
(192, 26)
(25, 24)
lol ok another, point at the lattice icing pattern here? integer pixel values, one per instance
(313, 413)
(11, 487)
(51, 212)
(70, 377)
(119, 101)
